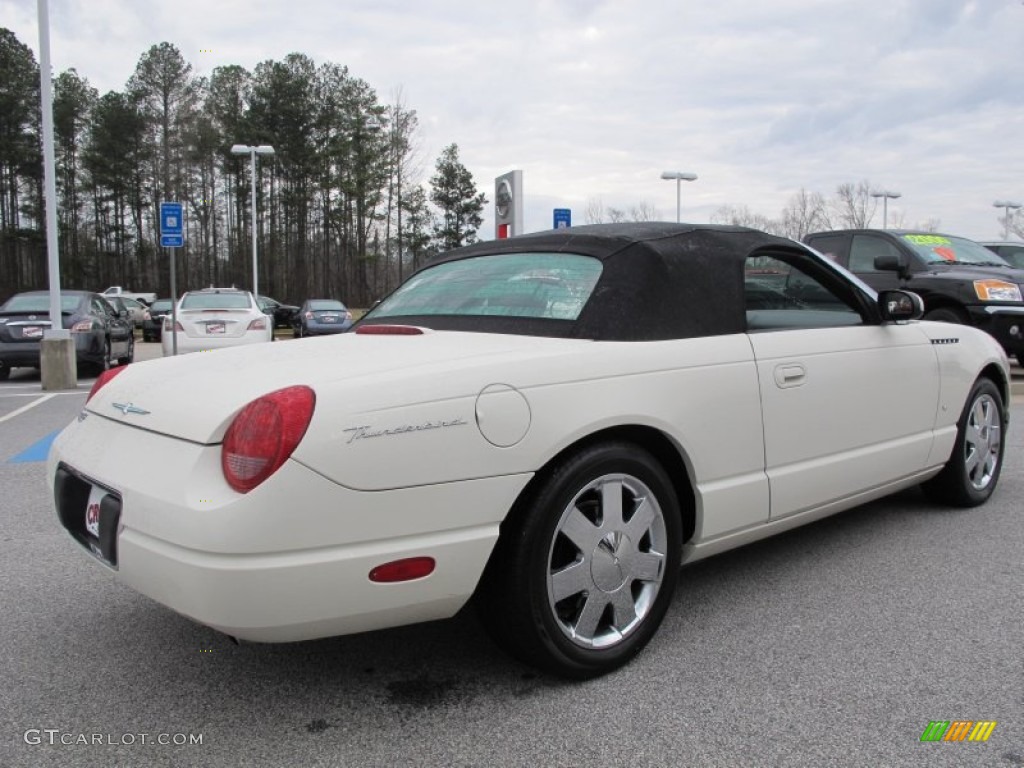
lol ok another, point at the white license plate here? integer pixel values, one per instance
(215, 328)
(92, 511)
(329, 319)
(31, 332)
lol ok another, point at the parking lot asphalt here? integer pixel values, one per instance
(832, 645)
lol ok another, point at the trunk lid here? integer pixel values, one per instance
(195, 397)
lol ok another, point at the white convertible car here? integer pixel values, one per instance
(550, 425)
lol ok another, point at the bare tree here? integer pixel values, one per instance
(741, 216)
(853, 205)
(804, 213)
(643, 211)
(1013, 223)
(594, 212)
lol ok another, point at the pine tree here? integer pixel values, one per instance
(453, 191)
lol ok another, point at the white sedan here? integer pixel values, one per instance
(549, 425)
(215, 318)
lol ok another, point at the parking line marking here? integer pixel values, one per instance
(41, 400)
(38, 451)
(19, 411)
(36, 394)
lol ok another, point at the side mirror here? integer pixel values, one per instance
(900, 306)
(892, 263)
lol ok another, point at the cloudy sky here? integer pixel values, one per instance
(593, 99)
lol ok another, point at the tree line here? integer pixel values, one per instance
(341, 210)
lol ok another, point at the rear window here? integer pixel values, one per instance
(39, 303)
(327, 304)
(552, 286)
(943, 249)
(215, 301)
(161, 305)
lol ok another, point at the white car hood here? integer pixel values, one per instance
(195, 397)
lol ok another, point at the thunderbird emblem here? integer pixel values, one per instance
(126, 408)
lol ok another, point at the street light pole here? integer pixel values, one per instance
(252, 151)
(1009, 206)
(57, 366)
(679, 176)
(886, 197)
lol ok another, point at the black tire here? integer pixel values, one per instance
(103, 365)
(947, 315)
(972, 472)
(618, 571)
(5, 373)
(129, 356)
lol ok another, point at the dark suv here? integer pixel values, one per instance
(959, 280)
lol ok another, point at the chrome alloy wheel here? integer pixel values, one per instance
(606, 561)
(982, 442)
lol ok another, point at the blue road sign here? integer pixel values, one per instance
(563, 218)
(172, 233)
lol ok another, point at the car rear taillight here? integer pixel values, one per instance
(82, 326)
(103, 379)
(309, 315)
(264, 434)
(259, 324)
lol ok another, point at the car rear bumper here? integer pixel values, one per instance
(88, 348)
(188, 344)
(261, 566)
(308, 594)
(325, 329)
(1005, 323)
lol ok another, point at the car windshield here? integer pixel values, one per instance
(535, 285)
(39, 302)
(214, 300)
(944, 249)
(326, 304)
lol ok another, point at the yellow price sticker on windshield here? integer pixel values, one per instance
(927, 239)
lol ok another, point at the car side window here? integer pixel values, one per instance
(833, 247)
(864, 250)
(781, 295)
(101, 308)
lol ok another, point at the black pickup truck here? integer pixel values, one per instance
(959, 280)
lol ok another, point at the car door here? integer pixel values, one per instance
(118, 323)
(864, 249)
(848, 404)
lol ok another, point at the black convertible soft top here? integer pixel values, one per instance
(660, 281)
